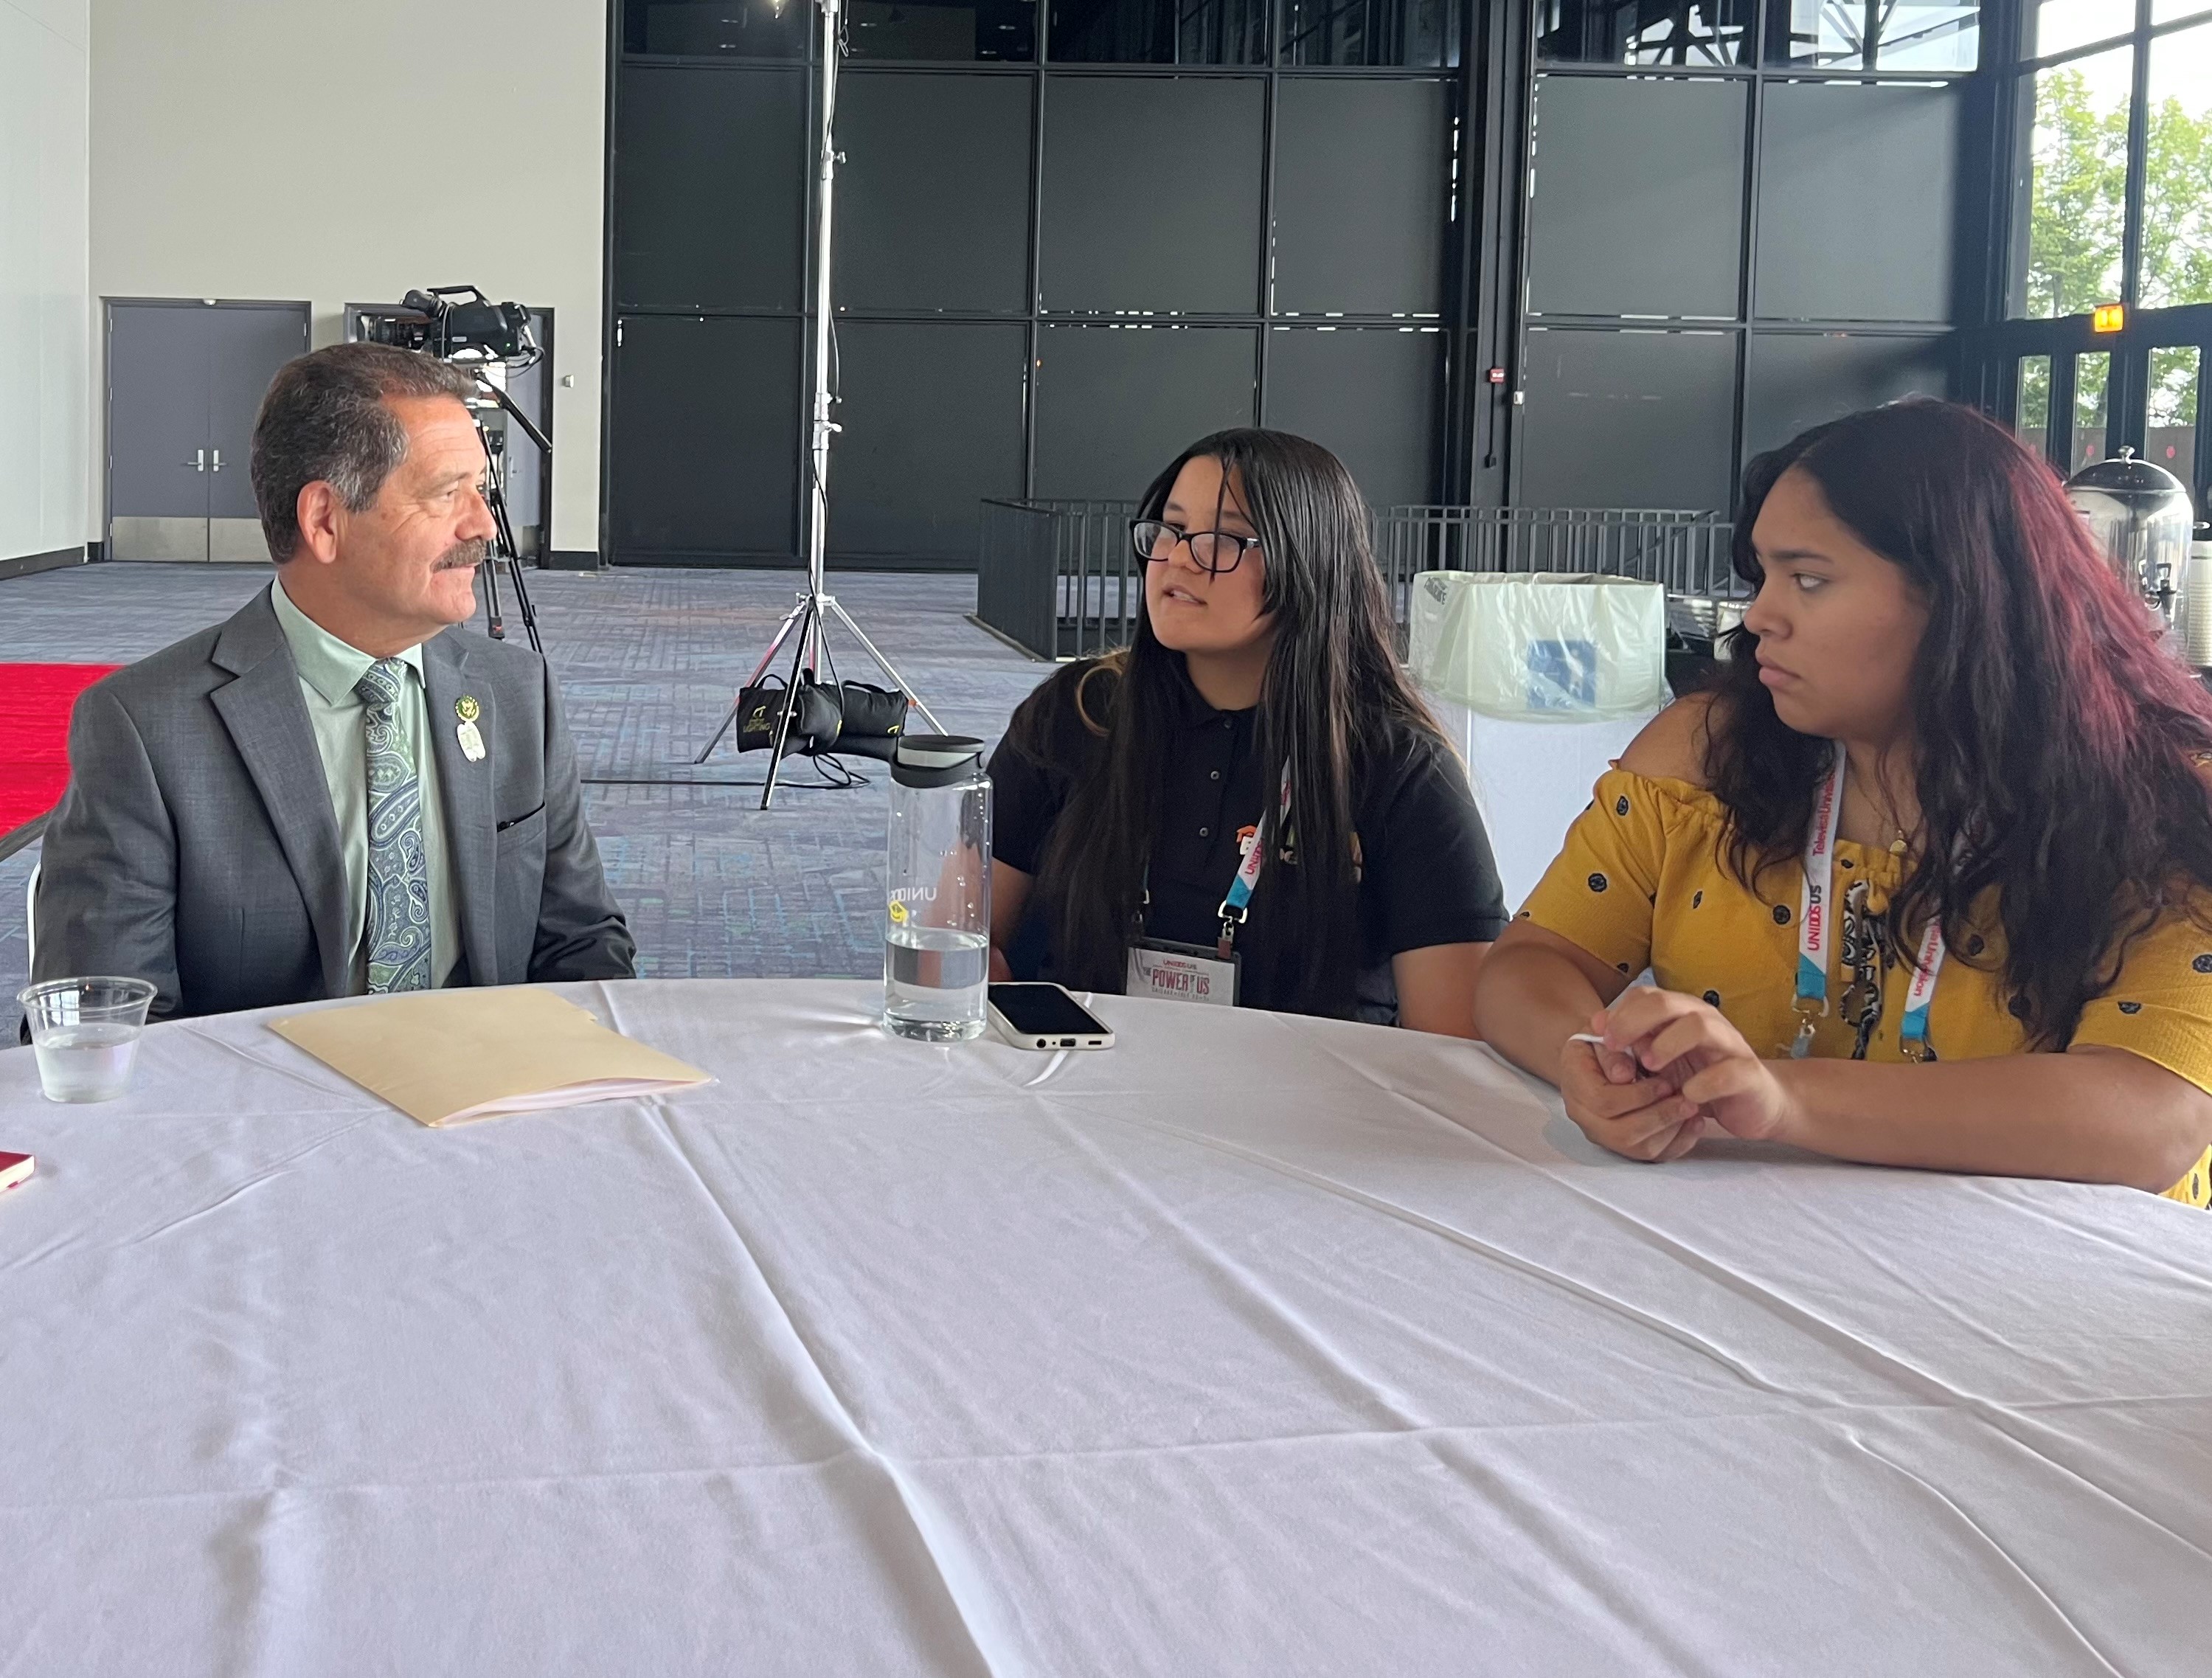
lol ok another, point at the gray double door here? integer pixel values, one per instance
(184, 380)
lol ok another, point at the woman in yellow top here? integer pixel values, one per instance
(1946, 815)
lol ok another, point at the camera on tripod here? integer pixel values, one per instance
(458, 324)
(474, 329)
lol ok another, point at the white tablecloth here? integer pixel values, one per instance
(1253, 1346)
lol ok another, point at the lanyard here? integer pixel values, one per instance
(1913, 1033)
(1234, 906)
(1814, 922)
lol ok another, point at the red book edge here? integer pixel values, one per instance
(15, 1168)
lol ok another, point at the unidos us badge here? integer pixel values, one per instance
(466, 732)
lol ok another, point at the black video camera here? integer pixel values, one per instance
(474, 329)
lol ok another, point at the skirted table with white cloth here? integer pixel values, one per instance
(1531, 778)
(1256, 1344)
(1540, 680)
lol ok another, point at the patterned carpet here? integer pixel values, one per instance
(647, 661)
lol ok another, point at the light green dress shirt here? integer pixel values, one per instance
(328, 669)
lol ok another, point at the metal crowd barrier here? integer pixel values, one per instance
(1686, 551)
(1059, 578)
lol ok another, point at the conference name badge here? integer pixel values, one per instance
(465, 731)
(1181, 973)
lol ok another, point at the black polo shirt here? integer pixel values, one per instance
(1426, 873)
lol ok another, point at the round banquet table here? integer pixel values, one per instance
(1256, 1344)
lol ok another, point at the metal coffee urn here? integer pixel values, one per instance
(2142, 518)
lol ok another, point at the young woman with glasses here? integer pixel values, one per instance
(1945, 816)
(1248, 804)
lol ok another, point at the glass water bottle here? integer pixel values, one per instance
(937, 876)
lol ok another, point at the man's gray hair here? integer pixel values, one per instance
(324, 420)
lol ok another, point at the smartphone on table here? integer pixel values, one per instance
(1040, 1016)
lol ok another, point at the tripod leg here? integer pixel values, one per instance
(811, 628)
(506, 551)
(729, 717)
(784, 628)
(494, 622)
(782, 634)
(522, 605)
(882, 663)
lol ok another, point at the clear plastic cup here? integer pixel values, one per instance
(85, 1033)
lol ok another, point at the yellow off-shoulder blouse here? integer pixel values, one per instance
(1643, 881)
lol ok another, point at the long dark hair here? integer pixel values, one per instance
(1334, 694)
(2058, 742)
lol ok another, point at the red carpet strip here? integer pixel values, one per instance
(35, 703)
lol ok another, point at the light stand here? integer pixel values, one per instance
(808, 619)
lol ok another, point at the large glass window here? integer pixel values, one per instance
(2176, 387)
(1636, 31)
(2060, 26)
(717, 29)
(942, 31)
(1418, 33)
(2077, 215)
(2112, 203)
(2176, 224)
(2032, 402)
(2092, 381)
(1874, 34)
(1160, 32)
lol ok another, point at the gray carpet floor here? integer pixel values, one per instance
(648, 662)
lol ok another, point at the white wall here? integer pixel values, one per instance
(44, 316)
(315, 149)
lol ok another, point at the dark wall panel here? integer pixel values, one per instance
(1362, 174)
(1115, 405)
(705, 439)
(1152, 195)
(933, 201)
(710, 188)
(1638, 198)
(933, 418)
(1628, 419)
(1798, 380)
(1858, 201)
(1370, 395)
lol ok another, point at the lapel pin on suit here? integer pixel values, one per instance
(466, 732)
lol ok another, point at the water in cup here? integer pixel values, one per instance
(85, 1033)
(933, 980)
(88, 1063)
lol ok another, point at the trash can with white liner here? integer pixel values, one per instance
(1540, 646)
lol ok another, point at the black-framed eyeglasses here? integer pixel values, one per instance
(1212, 550)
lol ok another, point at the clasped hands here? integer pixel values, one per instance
(1671, 1071)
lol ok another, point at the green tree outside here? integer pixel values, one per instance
(2076, 221)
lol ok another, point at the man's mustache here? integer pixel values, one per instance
(466, 556)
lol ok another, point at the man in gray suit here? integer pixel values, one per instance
(335, 792)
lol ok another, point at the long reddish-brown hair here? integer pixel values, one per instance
(2059, 742)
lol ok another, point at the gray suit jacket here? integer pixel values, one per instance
(195, 846)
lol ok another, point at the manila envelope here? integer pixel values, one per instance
(446, 1056)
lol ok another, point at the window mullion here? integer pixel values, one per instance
(2132, 239)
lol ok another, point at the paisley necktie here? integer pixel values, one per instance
(399, 871)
